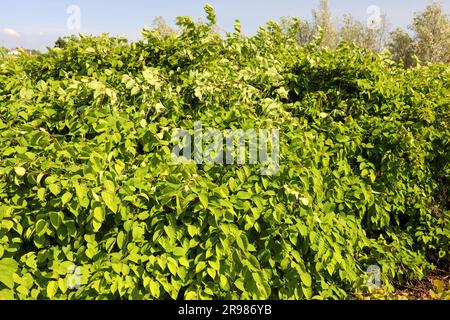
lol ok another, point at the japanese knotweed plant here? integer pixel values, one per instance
(92, 207)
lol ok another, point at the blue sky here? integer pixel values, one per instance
(37, 24)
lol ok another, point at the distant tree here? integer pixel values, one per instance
(351, 30)
(432, 34)
(213, 28)
(376, 38)
(322, 18)
(160, 25)
(60, 43)
(401, 45)
(359, 33)
(302, 31)
(430, 39)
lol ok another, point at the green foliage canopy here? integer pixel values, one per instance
(86, 178)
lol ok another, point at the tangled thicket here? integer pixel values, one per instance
(86, 178)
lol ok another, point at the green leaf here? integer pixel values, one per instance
(154, 289)
(55, 188)
(81, 191)
(110, 200)
(211, 272)
(41, 194)
(62, 284)
(172, 265)
(41, 227)
(20, 171)
(109, 186)
(211, 14)
(242, 242)
(96, 225)
(121, 238)
(193, 230)
(6, 294)
(191, 295)
(306, 279)
(66, 198)
(243, 195)
(203, 199)
(171, 232)
(8, 267)
(135, 91)
(200, 266)
(224, 282)
(99, 214)
(179, 252)
(55, 219)
(52, 288)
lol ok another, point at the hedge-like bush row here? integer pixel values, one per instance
(92, 207)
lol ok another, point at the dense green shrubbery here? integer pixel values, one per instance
(86, 177)
(3, 53)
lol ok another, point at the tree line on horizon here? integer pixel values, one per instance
(427, 39)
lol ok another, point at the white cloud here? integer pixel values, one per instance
(11, 32)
